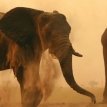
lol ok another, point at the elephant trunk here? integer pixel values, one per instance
(66, 66)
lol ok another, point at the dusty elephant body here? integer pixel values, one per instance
(104, 44)
(26, 34)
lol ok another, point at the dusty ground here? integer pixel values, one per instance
(60, 97)
(74, 105)
(62, 105)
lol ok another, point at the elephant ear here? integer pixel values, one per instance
(18, 24)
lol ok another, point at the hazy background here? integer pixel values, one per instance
(88, 20)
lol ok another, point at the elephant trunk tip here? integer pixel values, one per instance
(93, 99)
(84, 92)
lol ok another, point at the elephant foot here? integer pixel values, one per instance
(31, 98)
(104, 101)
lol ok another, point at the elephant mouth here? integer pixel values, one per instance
(53, 56)
(57, 55)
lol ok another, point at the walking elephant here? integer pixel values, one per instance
(26, 34)
(104, 44)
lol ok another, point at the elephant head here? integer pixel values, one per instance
(36, 31)
(55, 36)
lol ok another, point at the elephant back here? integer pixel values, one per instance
(18, 25)
(104, 38)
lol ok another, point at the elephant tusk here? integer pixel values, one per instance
(77, 54)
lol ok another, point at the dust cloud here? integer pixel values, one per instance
(49, 72)
(88, 20)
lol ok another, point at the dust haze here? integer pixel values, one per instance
(49, 72)
(88, 20)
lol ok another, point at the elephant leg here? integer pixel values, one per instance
(31, 93)
(105, 62)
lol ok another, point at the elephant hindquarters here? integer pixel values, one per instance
(31, 91)
(104, 38)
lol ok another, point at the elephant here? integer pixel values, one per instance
(25, 34)
(104, 44)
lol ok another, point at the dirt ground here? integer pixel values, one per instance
(61, 97)
(74, 105)
(62, 105)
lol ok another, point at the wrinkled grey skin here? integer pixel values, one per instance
(104, 44)
(26, 34)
